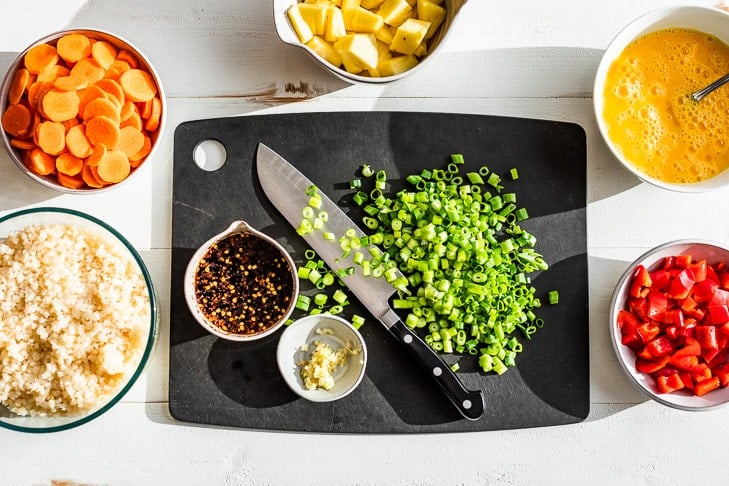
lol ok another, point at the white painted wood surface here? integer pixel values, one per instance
(518, 58)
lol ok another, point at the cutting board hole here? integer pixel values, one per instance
(210, 155)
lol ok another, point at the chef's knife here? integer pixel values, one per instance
(286, 188)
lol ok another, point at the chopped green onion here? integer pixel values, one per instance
(357, 321)
(366, 171)
(303, 302)
(553, 297)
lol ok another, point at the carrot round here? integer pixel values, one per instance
(138, 85)
(69, 164)
(127, 110)
(88, 69)
(16, 120)
(113, 167)
(128, 57)
(73, 47)
(53, 73)
(22, 143)
(101, 107)
(98, 153)
(40, 162)
(88, 174)
(116, 69)
(69, 83)
(113, 89)
(152, 122)
(137, 159)
(36, 91)
(87, 95)
(72, 182)
(131, 141)
(41, 57)
(103, 53)
(134, 120)
(77, 143)
(17, 86)
(51, 137)
(104, 131)
(60, 105)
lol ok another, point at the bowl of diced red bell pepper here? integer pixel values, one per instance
(669, 319)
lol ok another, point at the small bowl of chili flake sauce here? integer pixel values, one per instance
(241, 284)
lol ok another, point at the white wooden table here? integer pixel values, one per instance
(517, 58)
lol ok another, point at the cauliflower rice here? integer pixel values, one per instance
(74, 319)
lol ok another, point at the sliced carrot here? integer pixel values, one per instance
(103, 53)
(40, 58)
(17, 86)
(133, 121)
(131, 141)
(113, 89)
(116, 69)
(88, 174)
(16, 120)
(40, 162)
(70, 83)
(69, 164)
(89, 94)
(72, 182)
(73, 47)
(22, 143)
(60, 105)
(36, 91)
(152, 123)
(137, 159)
(102, 107)
(51, 137)
(138, 85)
(54, 73)
(98, 153)
(113, 167)
(77, 143)
(127, 110)
(88, 69)
(104, 131)
(128, 57)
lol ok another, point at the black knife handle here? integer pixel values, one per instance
(469, 403)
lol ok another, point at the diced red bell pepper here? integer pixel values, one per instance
(699, 268)
(688, 382)
(641, 279)
(702, 372)
(660, 346)
(705, 386)
(657, 305)
(722, 372)
(648, 331)
(673, 317)
(681, 285)
(639, 308)
(683, 261)
(724, 280)
(627, 322)
(718, 314)
(706, 336)
(650, 366)
(669, 262)
(722, 336)
(669, 383)
(720, 297)
(661, 280)
(712, 274)
(672, 333)
(691, 347)
(685, 362)
(704, 291)
(719, 359)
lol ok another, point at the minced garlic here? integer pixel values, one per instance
(317, 371)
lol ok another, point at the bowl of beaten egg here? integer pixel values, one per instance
(642, 98)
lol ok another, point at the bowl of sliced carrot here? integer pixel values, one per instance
(82, 110)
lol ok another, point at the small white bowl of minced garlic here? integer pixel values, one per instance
(322, 357)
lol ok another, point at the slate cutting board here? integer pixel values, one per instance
(215, 382)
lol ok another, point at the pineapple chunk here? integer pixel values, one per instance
(325, 50)
(315, 15)
(396, 65)
(431, 12)
(365, 21)
(359, 49)
(394, 12)
(303, 31)
(421, 50)
(348, 9)
(335, 25)
(384, 34)
(409, 36)
(371, 4)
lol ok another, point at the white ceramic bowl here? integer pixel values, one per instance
(189, 283)
(303, 332)
(120, 43)
(704, 19)
(45, 216)
(287, 34)
(698, 249)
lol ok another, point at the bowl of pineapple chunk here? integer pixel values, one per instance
(366, 41)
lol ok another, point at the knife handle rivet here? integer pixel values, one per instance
(407, 339)
(467, 404)
(437, 371)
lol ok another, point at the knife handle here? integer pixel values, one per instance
(469, 403)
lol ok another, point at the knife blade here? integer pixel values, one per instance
(286, 188)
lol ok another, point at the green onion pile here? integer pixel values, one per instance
(453, 247)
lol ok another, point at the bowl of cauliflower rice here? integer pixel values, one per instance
(78, 319)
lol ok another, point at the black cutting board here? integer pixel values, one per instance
(216, 382)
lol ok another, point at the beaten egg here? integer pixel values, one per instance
(648, 112)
